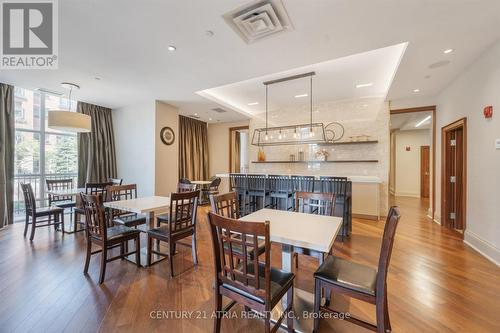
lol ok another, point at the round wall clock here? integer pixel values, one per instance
(167, 135)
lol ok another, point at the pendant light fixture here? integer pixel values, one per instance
(290, 134)
(69, 121)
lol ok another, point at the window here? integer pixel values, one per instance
(41, 153)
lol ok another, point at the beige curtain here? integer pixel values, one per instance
(193, 149)
(7, 117)
(96, 150)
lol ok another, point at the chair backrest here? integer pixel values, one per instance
(29, 198)
(214, 185)
(279, 183)
(238, 181)
(256, 182)
(226, 205)
(183, 207)
(302, 183)
(337, 185)
(315, 203)
(184, 181)
(95, 218)
(97, 188)
(59, 184)
(183, 187)
(386, 249)
(120, 192)
(241, 270)
(115, 181)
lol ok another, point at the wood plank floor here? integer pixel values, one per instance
(436, 284)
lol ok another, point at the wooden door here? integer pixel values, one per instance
(425, 171)
(453, 200)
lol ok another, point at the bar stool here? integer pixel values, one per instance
(238, 184)
(280, 187)
(257, 191)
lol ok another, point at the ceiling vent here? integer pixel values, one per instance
(259, 19)
(219, 110)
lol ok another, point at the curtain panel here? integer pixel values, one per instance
(7, 118)
(96, 150)
(193, 149)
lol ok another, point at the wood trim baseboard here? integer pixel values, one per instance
(365, 217)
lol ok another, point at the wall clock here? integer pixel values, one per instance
(167, 135)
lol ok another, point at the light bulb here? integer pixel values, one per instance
(266, 137)
(279, 136)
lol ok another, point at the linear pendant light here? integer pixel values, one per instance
(290, 134)
(69, 121)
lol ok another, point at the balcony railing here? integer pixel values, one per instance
(37, 181)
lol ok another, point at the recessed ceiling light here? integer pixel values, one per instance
(364, 105)
(416, 90)
(301, 95)
(364, 85)
(448, 51)
(195, 114)
(209, 118)
(209, 33)
(97, 78)
(423, 121)
(171, 48)
(253, 103)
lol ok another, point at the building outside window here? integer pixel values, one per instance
(41, 153)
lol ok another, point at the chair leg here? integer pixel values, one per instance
(218, 310)
(137, 250)
(150, 247)
(317, 302)
(87, 258)
(104, 255)
(289, 314)
(26, 225)
(33, 227)
(74, 221)
(62, 222)
(122, 250)
(193, 249)
(171, 258)
(296, 255)
(267, 322)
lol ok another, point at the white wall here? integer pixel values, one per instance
(135, 145)
(476, 88)
(167, 157)
(407, 175)
(244, 161)
(218, 148)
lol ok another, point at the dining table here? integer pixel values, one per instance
(149, 206)
(298, 230)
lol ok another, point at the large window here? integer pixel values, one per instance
(41, 153)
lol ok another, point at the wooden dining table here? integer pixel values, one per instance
(301, 230)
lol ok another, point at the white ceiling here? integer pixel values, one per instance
(408, 121)
(124, 42)
(334, 80)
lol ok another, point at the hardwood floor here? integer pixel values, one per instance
(436, 284)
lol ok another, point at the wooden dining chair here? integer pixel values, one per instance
(227, 205)
(40, 217)
(184, 187)
(97, 232)
(115, 181)
(212, 188)
(117, 216)
(181, 224)
(60, 200)
(362, 282)
(93, 189)
(313, 203)
(243, 279)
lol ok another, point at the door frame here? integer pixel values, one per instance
(462, 122)
(422, 178)
(231, 130)
(431, 108)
